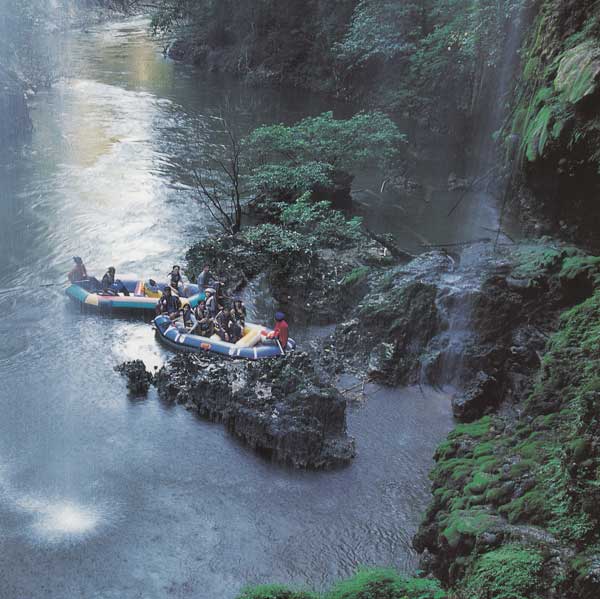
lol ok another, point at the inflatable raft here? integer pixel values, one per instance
(252, 346)
(142, 297)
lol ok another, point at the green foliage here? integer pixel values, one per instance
(356, 276)
(466, 523)
(273, 591)
(385, 584)
(382, 30)
(577, 266)
(311, 152)
(511, 572)
(281, 179)
(275, 241)
(560, 68)
(365, 584)
(318, 220)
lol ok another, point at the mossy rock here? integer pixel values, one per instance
(464, 524)
(274, 591)
(510, 572)
(385, 584)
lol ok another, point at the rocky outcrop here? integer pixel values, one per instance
(138, 379)
(316, 284)
(390, 329)
(280, 408)
(515, 498)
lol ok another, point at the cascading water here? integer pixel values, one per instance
(485, 212)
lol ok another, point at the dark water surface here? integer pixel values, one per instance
(104, 496)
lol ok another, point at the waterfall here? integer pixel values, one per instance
(460, 287)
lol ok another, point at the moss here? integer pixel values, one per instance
(581, 266)
(479, 484)
(386, 584)
(466, 523)
(532, 261)
(511, 572)
(475, 430)
(273, 591)
(356, 276)
(522, 467)
(498, 495)
(529, 507)
(365, 584)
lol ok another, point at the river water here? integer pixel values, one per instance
(102, 495)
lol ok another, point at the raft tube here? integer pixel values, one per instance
(139, 300)
(249, 347)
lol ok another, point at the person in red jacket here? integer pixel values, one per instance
(281, 330)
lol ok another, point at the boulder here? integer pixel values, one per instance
(481, 396)
(281, 408)
(138, 379)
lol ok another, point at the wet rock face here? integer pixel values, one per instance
(138, 379)
(480, 397)
(391, 328)
(279, 407)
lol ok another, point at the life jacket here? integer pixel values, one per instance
(211, 306)
(282, 332)
(169, 304)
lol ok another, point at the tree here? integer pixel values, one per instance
(319, 150)
(218, 177)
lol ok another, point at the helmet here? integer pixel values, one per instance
(111, 269)
(77, 260)
(279, 315)
(210, 290)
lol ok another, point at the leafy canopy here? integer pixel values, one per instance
(312, 151)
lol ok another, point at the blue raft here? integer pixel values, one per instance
(141, 298)
(252, 346)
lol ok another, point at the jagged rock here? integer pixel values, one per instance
(280, 408)
(480, 397)
(392, 326)
(138, 379)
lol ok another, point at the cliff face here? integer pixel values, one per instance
(555, 130)
(515, 495)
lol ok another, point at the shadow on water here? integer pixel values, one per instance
(104, 497)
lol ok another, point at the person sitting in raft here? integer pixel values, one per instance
(168, 304)
(280, 332)
(112, 286)
(151, 289)
(205, 278)
(187, 322)
(175, 278)
(204, 324)
(221, 321)
(240, 311)
(236, 328)
(211, 302)
(78, 272)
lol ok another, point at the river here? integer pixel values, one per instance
(105, 496)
